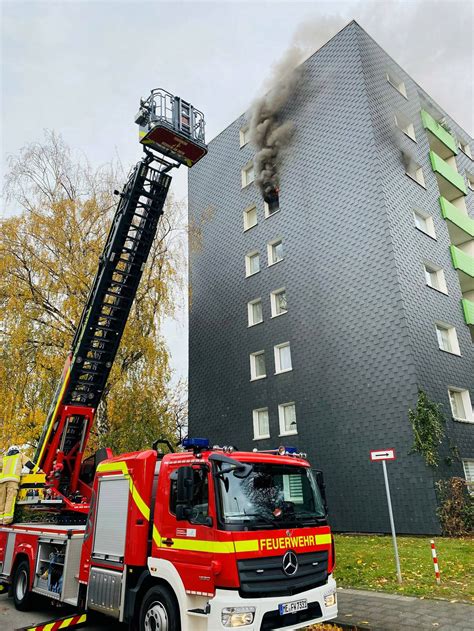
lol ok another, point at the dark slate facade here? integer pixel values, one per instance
(360, 317)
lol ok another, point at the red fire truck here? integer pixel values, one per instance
(209, 538)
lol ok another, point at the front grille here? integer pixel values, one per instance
(272, 619)
(264, 576)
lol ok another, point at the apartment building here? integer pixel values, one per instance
(316, 318)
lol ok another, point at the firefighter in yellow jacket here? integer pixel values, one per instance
(10, 471)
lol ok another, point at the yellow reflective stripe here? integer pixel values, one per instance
(53, 418)
(246, 545)
(200, 545)
(156, 536)
(122, 467)
(49, 626)
(65, 623)
(83, 618)
(323, 539)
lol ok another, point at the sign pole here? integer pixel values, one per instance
(392, 524)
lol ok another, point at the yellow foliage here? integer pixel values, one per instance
(49, 253)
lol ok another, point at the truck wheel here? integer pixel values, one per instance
(22, 596)
(158, 611)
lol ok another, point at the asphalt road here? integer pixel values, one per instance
(11, 619)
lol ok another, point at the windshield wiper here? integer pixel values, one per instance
(267, 520)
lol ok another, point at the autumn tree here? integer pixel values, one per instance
(49, 249)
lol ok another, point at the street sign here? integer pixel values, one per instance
(382, 454)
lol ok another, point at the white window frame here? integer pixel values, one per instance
(452, 336)
(256, 428)
(465, 148)
(397, 84)
(468, 466)
(253, 366)
(250, 305)
(429, 228)
(281, 419)
(417, 175)
(268, 214)
(466, 404)
(243, 135)
(247, 211)
(276, 351)
(248, 257)
(244, 174)
(470, 181)
(274, 302)
(431, 268)
(405, 125)
(270, 247)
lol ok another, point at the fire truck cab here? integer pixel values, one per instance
(202, 540)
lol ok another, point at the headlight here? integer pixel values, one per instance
(330, 599)
(237, 616)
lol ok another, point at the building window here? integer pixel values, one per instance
(248, 174)
(461, 405)
(275, 252)
(424, 222)
(257, 365)
(470, 181)
(282, 357)
(272, 206)
(434, 276)
(287, 417)
(447, 338)
(468, 466)
(397, 84)
(405, 126)
(252, 263)
(244, 136)
(465, 148)
(278, 302)
(250, 217)
(415, 171)
(255, 314)
(261, 427)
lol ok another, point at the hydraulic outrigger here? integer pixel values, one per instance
(172, 133)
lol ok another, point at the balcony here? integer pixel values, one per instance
(440, 140)
(460, 225)
(464, 264)
(468, 310)
(451, 183)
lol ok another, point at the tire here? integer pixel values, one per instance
(158, 611)
(22, 595)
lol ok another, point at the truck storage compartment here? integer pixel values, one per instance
(57, 568)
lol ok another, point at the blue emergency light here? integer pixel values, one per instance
(283, 450)
(195, 443)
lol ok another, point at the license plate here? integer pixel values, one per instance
(297, 605)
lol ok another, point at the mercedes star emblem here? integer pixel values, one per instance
(290, 563)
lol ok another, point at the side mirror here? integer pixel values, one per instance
(318, 474)
(184, 487)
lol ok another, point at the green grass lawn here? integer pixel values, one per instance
(367, 562)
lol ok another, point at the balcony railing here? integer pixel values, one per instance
(468, 310)
(462, 261)
(439, 132)
(456, 216)
(451, 177)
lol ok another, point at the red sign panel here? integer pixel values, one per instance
(382, 454)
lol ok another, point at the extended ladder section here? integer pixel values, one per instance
(102, 323)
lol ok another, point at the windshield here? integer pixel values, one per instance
(276, 495)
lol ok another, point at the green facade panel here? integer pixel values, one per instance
(462, 261)
(456, 216)
(438, 130)
(442, 167)
(468, 310)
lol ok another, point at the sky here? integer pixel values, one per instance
(79, 67)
